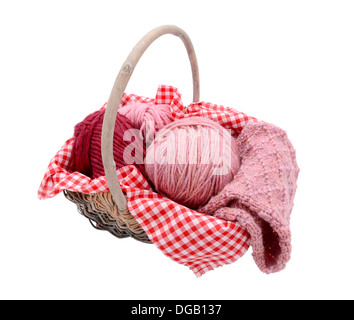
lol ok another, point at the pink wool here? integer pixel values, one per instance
(147, 117)
(261, 195)
(191, 160)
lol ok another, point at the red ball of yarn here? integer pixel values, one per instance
(86, 155)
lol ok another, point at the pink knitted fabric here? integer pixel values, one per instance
(261, 195)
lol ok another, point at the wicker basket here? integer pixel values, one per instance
(108, 210)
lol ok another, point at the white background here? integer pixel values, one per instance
(286, 62)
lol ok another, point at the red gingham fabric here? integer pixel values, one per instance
(188, 237)
(227, 117)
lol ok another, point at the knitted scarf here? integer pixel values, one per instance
(261, 195)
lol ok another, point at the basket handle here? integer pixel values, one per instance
(116, 96)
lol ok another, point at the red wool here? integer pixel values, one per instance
(86, 154)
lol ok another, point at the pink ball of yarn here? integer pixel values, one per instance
(191, 160)
(147, 117)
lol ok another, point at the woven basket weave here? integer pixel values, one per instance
(104, 214)
(108, 210)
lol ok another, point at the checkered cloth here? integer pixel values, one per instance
(199, 241)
